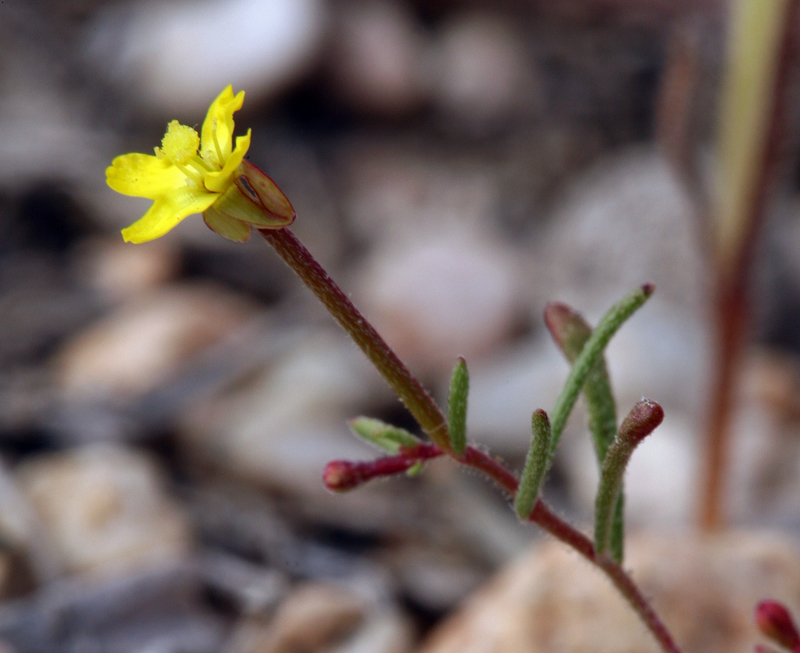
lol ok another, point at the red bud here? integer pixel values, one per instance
(643, 419)
(775, 622)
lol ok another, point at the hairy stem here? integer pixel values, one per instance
(391, 368)
(430, 418)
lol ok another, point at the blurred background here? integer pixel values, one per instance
(166, 409)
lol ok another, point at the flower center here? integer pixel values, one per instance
(180, 143)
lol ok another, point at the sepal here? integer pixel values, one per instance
(225, 226)
(279, 209)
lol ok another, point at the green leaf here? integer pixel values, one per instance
(570, 332)
(416, 470)
(457, 407)
(382, 435)
(643, 419)
(535, 469)
(586, 360)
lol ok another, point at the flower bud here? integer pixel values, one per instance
(775, 622)
(341, 475)
(643, 419)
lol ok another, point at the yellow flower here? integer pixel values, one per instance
(215, 180)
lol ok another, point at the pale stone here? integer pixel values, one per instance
(313, 616)
(118, 270)
(704, 588)
(179, 55)
(286, 423)
(386, 631)
(144, 342)
(379, 58)
(104, 510)
(484, 74)
(625, 222)
(441, 297)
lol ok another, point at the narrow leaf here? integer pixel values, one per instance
(571, 332)
(643, 419)
(535, 465)
(592, 350)
(416, 470)
(457, 407)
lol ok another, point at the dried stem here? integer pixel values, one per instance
(732, 301)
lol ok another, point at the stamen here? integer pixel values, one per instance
(216, 142)
(191, 174)
(201, 166)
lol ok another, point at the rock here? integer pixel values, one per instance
(386, 631)
(253, 589)
(484, 75)
(27, 551)
(104, 510)
(145, 341)
(763, 477)
(379, 57)
(625, 222)
(311, 619)
(433, 579)
(704, 588)
(117, 271)
(507, 387)
(40, 306)
(401, 193)
(47, 137)
(176, 57)
(158, 609)
(439, 297)
(281, 427)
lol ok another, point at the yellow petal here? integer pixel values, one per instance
(143, 175)
(220, 119)
(216, 182)
(166, 212)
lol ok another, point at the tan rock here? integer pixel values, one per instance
(314, 616)
(103, 510)
(446, 296)
(118, 270)
(144, 342)
(705, 589)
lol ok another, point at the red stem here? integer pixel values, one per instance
(430, 418)
(732, 302)
(396, 374)
(541, 515)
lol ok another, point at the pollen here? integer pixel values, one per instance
(180, 143)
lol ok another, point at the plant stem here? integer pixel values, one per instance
(396, 374)
(430, 418)
(731, 301)
(544, 517)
